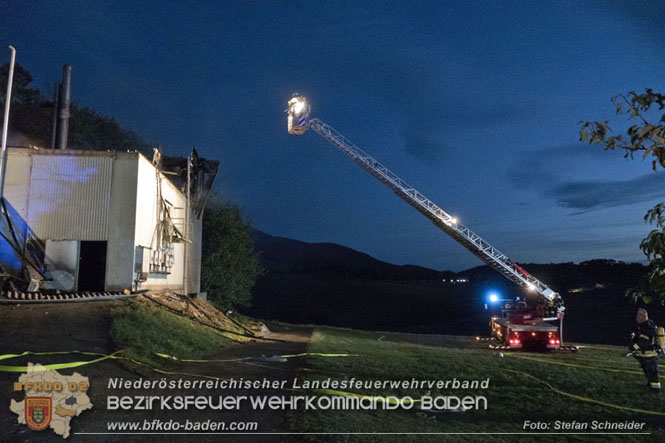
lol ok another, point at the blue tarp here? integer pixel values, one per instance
(18, 243)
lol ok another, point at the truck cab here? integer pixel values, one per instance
(516, 325)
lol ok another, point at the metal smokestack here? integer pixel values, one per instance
(54, 125)
(63, 112)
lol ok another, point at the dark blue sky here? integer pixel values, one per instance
(476, 104)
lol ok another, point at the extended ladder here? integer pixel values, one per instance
(444, 221)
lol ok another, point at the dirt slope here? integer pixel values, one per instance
(85, 326)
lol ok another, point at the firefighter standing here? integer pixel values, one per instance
(645, 348)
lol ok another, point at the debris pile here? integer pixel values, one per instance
(237, 329)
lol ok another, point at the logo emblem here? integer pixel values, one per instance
(38, 412)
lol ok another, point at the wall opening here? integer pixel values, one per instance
(92, 266)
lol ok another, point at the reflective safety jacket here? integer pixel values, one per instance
(644, 340)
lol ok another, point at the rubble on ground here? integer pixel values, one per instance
(237, 328)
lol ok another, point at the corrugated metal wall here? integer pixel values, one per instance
(70, 196)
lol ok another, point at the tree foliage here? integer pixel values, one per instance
(90, 130)
(22, 93)
(229, 266)
(32, 118)
(646, 136)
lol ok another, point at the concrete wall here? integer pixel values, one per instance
(122, 224)
(147, 218)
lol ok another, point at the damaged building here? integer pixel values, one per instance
(105, 220)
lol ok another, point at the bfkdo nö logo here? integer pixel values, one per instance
(38, 412)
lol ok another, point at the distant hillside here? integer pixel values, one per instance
(571, 277)
(285, 256)
(325, 283)
(281, 255)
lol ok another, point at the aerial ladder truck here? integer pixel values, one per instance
(518, 325)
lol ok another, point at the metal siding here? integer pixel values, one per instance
(70, 196)
(17, 180)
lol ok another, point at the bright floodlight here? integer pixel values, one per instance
(494, 298)
(298, 111)
(298, 106)
(531, 287)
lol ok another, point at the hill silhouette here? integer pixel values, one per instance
(286, 256)
(326, 283)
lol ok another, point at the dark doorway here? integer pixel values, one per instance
(92, 266)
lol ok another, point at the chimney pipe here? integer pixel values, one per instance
(63, 113)
(54, 126)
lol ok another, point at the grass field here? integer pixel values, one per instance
(518, 388)
(142, 329)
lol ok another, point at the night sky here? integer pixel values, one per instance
(476, 104)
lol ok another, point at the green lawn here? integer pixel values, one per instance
(512, 397)
(143, 329)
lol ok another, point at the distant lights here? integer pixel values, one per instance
(455, 280)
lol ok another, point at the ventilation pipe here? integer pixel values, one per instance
(54, 125)
(63, 108)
